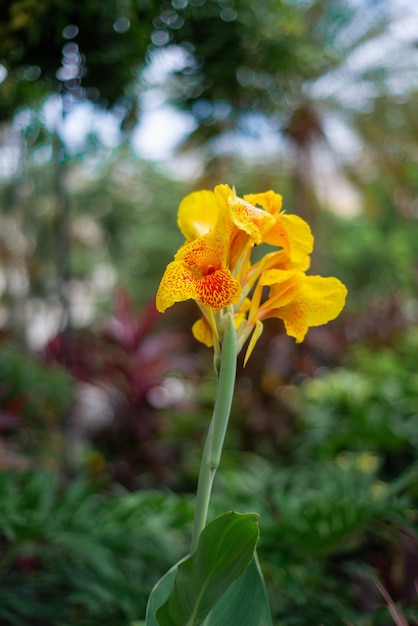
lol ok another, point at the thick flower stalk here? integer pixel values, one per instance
(214, 267)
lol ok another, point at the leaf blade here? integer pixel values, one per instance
(225, 549)
(244, 602)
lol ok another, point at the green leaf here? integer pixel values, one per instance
(245, 601)
(225, 549)
(159, 595)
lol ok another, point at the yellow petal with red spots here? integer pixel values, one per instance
(243, 215)
(217, 289)
(199, 272)
(197, 214)
(208, 253)
(251, 220)
(177, 285)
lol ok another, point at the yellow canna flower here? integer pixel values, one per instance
(214, 268)
(244, 224)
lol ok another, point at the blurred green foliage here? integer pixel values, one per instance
(373, 255)
(320, 522)
(370, 405)
(134, 205)
(77, 553)
(51, 46)
(35, 399)
(72, 555)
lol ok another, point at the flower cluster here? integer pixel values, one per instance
(214, 267)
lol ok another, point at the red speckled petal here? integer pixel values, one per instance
(217, 290)
(177, 284)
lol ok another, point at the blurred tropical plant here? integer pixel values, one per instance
(375, 254)
(59, 269)
(71, 554)
(126, 378)
(370, 406)
(327, 529)
(133, 205)
(89, 52)
(35, 399)
(305, 77)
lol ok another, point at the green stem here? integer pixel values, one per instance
(212, 450)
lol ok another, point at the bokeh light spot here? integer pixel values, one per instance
(160, 37)
(121, 25)
(70, 31)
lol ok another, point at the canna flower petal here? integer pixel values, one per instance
(206, 253)
(289, 232)
(177, 285)
(197, 214)
(251, 220)
(254, 338)
(202, 332)
(218, 290)
(284, 286)
(303, 301)
(268, 200)
(199, 272)
(293, 235)
(280, 260)
(243, 215)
